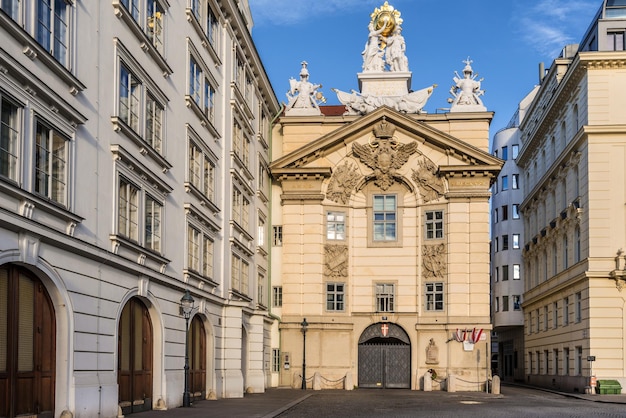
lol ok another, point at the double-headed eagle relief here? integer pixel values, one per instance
(384, 155)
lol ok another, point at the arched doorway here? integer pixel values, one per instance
(384, 357)
(134, 365)
(197, 359)
(27, 345)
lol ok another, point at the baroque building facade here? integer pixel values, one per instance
(134, 155)
(572, 165)
(380, 257)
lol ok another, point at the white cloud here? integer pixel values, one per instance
(549, 25)
(292, 12)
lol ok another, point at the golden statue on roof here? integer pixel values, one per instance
(386, 17)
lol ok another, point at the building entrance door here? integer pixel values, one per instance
(27, 345)
(134, 372)
(384, 357)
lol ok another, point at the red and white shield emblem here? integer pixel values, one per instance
(384, 329)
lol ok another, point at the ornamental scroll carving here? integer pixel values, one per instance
(434, 260)
(384, 155)
(335, 260)
(342, 183)
(430, 185)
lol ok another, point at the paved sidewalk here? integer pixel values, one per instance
(252, 405)
(277, 400)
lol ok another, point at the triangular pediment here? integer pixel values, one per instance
(318, 155)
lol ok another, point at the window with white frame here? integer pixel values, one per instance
(335, 294)
(52, 27)
(434, 296)
(201, 173)
(515, 211)
(515, 181)
(201, 89)
(514, 150)
(277, 235)
(385, 295)
(11, 8)
(385, 217)
(277, 296)
(241, 209)
(51, 155)
(240, 273)
(335, 225)
(9, 138)
(578, 312)
(261, 292)
(261, 232)
(275, 360)
(241, 144)
(516, 241)
(140, 105)
(516, 271)
(434, 224)
(152, 224)
(200, 251)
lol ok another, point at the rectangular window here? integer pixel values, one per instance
(514, 151)
(505, 303)
(530, 362)
(516, 271)
(385, 293)
(240, 273)
(12, 8)
(434, 224)
(129, 98)
(212, 28)
(505, 242)
(52, 27)
(495, 215)
(566, 357)
(154, 24)
(50, 164)
(195, 81)
(566, 311)
(555, 315)
(516, 242)
(496, 274)
(505, 272)
(209, 101)
(578, 371)
(615, 41)
(193, 248)
(152, 224)
(241, 209)
(9, 139)
(546, 359)
(260, 240)
(277, 296)
(385, 221)
(505, 213)
(545, 318)
(275, 360)
(201, 171)
(241, 144)
(207, 257)
(496, 245)
(133, 7)
(497, 308)
(515, 211)
(260, 290)
(335, 295)
(335, 226)
(154, 123)
(515, 181)
(128, 210)
(505, 183)
(537, 320)
(578, 306)
(434, 296)
(517, 303)
(505, 153)
(277, 232)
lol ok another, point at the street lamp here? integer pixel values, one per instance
(186, 305)
(304, 325)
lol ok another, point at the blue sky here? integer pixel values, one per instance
(505, 39)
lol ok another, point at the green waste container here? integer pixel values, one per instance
(609, 387)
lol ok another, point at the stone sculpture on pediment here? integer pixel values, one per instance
(384, 155)
(343, 181)
(303, 96)
(335, 260)
(434, 261)
(430, 185)
(466, 91)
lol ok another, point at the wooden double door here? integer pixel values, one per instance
(135, 348)
(27, 345)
